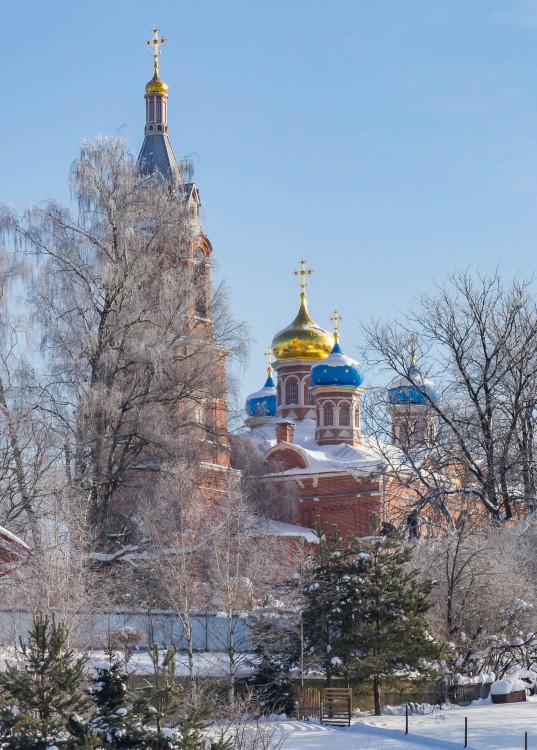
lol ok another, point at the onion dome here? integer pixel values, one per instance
(156, 86)
(418, 393)
(303, 339)
(337, 369)
(263, 403)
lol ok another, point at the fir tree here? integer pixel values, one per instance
(364, 613)
(42, 699)
(384, 627)
(163, 699)
(323, 618)
(276, 639)
(142, 720)
(115, 723)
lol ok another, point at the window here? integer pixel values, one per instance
(328, 414)
(200, 289)
(344, 416)
(291, 391)
(159, 110)
(308, 396)
(151, 110)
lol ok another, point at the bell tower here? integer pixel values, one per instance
(156, 154)
(206, 413)
(411, 398)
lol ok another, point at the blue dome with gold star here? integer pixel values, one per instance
(337, 369)
(414, 390)
(262, 403)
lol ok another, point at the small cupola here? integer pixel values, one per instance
(336, 383)
(260, 406)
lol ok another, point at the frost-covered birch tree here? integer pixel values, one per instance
(127, 356)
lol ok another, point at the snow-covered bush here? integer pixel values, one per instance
(483, 605)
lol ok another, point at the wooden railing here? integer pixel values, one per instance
(330, 706)
(337, 706)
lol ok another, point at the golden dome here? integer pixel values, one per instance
(303, 339)
(156, 86)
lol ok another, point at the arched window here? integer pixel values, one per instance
(291, 392)
(200, 283)
(308, 393)
(344, 415)
(328, 414)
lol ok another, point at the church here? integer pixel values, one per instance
(308, 427)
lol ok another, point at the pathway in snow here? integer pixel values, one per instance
(490, 727)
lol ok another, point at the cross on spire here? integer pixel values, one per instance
(412, 346)
(268, 355)
(154, 45)
(335, 318)
(302, 274)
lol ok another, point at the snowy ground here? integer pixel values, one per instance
(490, 727)
(205, 663)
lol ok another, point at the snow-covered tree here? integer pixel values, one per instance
(275, 639)
(477, 340)
(323, 601)
(128, 362)
(42, 696)
(364, 614)
(384, 627)
(484, 600)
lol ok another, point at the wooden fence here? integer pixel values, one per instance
(330, 706)
(309, 704)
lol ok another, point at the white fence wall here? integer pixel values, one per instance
(212, 631)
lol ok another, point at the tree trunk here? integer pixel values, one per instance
(26, 500)
(376, 695)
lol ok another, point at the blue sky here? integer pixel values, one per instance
(387, 142)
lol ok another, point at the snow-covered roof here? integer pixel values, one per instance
(268, 527)
(13, 551)
(367, 458)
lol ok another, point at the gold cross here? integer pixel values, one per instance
(302, 274)
(268, 355)
(412, 345)
(154, 43)
(335, 318)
